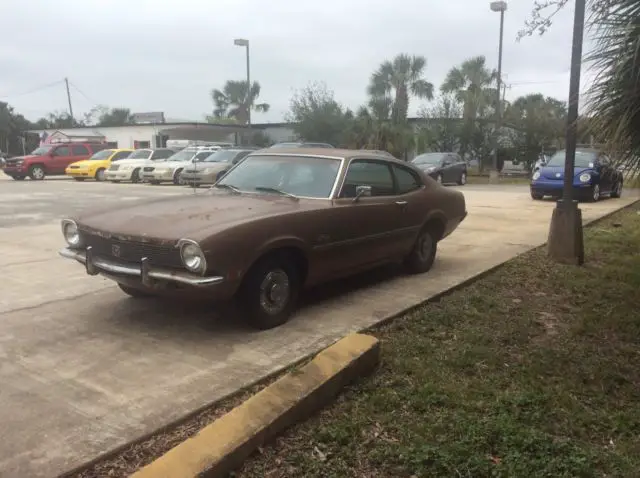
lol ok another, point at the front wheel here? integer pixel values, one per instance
(269, 293)
(423, 254)
(36, 173)
(463, 179)
(100, 174)
(536, 196)
(177, 177)
(135, 176)
(133, 292)
(595, 193)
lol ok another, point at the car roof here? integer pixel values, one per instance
(331, 153)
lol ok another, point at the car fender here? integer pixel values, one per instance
(279, 243)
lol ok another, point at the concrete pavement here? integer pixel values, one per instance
(84, 368)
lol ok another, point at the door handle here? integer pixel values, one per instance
(402, 204)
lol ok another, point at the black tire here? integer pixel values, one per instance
(133, 292)
(253, 298)
(423, 254)
(135, 176)
(36, 172)
(595, 193)
(177, 177)
(463, 179)
(79, 179)
(100, 174)
(617, 190)
(115, 181)
(18, 178)
(536, 196)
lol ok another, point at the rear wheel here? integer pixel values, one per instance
(36, 173)
(463, 179)
(424, 251)
(133, 292)
(100, 174)
(595, 193)
(270, 291)
(617, 190)
(177, 177)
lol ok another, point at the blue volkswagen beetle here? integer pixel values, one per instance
(593, 176)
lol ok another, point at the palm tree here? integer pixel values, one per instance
(398, 79)
(614, 97)
(234, 102)
(471, 84)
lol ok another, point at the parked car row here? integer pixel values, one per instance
(279, 221)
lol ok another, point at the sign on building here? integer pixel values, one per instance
(153, 117)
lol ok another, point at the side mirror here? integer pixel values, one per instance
(362, 191)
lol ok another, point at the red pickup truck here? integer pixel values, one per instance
(49, 160)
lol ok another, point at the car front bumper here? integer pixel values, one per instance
(149, 276)
(157, 176)
(79, 173)
(15, 170)
(554, 188)
(199, 178)
(118, 175)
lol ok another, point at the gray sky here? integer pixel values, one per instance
(151, 55)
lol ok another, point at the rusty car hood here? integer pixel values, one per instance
(191, 216)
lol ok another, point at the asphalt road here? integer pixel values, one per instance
(84, 369)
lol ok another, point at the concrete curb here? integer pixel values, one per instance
(224, 444)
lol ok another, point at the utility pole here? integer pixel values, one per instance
(66, 82)
(498, 6)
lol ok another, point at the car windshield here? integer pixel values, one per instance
(184, 155)
(140, 154)
(41, 150)
(584, 159)
(428, 158)
(104, 154)
(286, 175)
(221, 156)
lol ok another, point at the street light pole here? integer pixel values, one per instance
(499, 6)
(566, 242)
(245, 43)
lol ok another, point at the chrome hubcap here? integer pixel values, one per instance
(463, 178)
(596, 192)
(38, 173)
(275, 291)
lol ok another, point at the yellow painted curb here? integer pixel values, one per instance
(223, 445)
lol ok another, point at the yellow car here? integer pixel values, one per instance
(96, 165)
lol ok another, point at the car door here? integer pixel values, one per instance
(60, 159)
(412, 214)
(447, 167)
(363, 230)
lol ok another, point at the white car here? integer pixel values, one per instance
(170, 169)
(130, 169)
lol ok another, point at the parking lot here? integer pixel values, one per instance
(85, 369)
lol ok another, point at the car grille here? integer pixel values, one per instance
(74, 167)
(133, 252)
(13, 162)
(148, 169)
(114, 167)
(190, 171)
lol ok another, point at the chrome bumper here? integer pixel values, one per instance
(147, 274)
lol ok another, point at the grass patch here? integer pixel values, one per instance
(532, 371)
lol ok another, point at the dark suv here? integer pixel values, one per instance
(49, 160)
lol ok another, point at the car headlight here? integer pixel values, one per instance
(192, 256)
(127, 168)
(585, 178)
(71, 233)
(536, 175)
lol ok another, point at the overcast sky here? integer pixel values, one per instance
(151, 55)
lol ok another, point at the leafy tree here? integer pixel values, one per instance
(58, 120)
(317, 116)
(400, 79)
(441, 125)
(236, 100)
(471, 83)
(13, 127)
(539, 125)
(115, 117)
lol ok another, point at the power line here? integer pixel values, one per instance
(91, 100)
(33, 90)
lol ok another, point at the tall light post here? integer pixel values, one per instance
(245, 43)
(499, 6)
(566, 241)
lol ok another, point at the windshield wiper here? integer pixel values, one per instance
(277, 191)
(227, 186)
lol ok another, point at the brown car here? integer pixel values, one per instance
(279, 221)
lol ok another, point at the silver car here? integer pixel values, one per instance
(213, 167)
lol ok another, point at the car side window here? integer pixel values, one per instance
(79, 150)
(62, 151)
(120, 155)
(161, 154)
(406, 180)
(376, 174)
